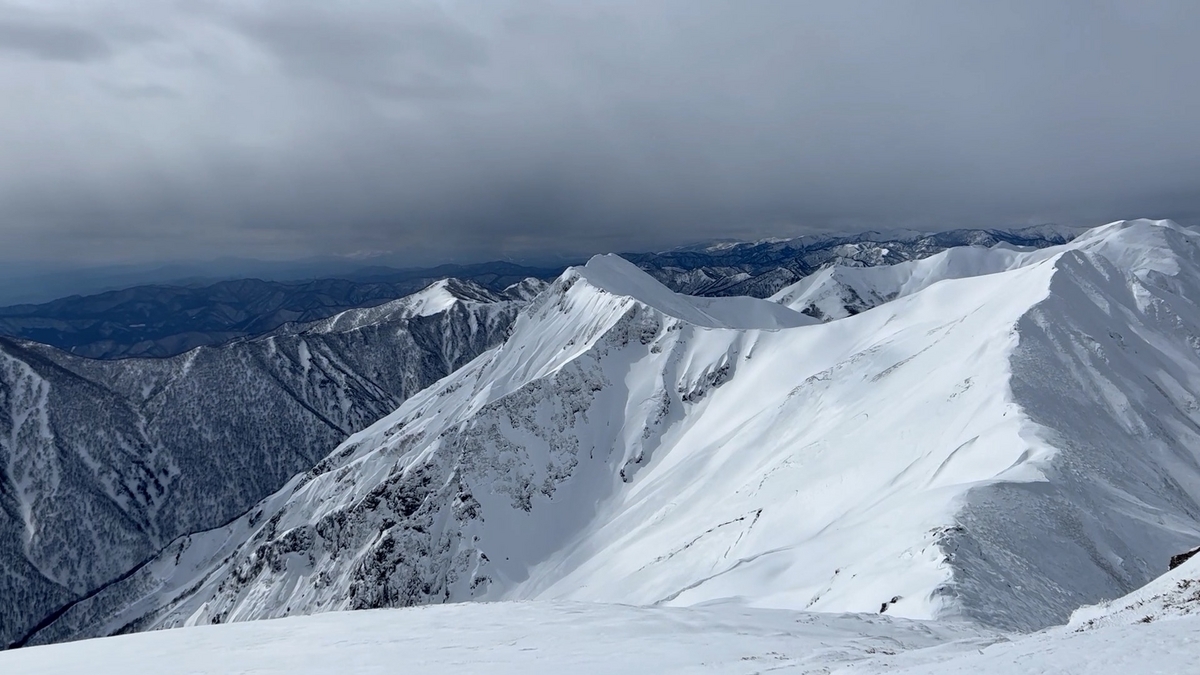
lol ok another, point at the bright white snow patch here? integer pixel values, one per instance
(616, 275)
(586, 639)
(496, 639)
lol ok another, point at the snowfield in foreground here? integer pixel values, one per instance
(494, 638)
(582, 638)
(1153, 630)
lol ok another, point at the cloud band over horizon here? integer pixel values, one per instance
(139, 131)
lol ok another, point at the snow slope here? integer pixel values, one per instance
(497, 639)
(1011, 439)
(1174, 595)
(836, 291)
(544, 637)
(1168, 648)
(1155, 629)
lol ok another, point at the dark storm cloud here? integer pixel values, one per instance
(51, 42)
(439, 129)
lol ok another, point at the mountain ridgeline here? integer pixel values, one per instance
(994, 435)
(168, 320)
(117, 470)
(160, 321)
(763, 268)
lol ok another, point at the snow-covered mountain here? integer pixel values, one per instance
(999, 436)
(166, 320)
(760, 269)
(836, 291)
(102, 463)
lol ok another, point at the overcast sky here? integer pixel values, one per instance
(159, 130)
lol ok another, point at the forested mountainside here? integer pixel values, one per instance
(105, 462)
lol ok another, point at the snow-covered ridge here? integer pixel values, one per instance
(615, 275)
(626, 444)
(835, 291)
(1174, 595)
(436, 298)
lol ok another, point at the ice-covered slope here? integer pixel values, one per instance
(1003, 444)
(102, 463)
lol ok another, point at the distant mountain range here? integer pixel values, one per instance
(760, 269)
(107, 461)
(160, 321)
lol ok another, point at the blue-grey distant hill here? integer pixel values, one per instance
(163, 320)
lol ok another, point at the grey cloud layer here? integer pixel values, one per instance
(139, 130)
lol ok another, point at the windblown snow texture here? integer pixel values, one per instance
(998, 435)
(105, 462)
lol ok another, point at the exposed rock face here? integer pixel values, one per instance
(1180, 558)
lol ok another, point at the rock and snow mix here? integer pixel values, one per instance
(993, 436)
(102, 463)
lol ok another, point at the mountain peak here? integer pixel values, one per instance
(440, 295)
